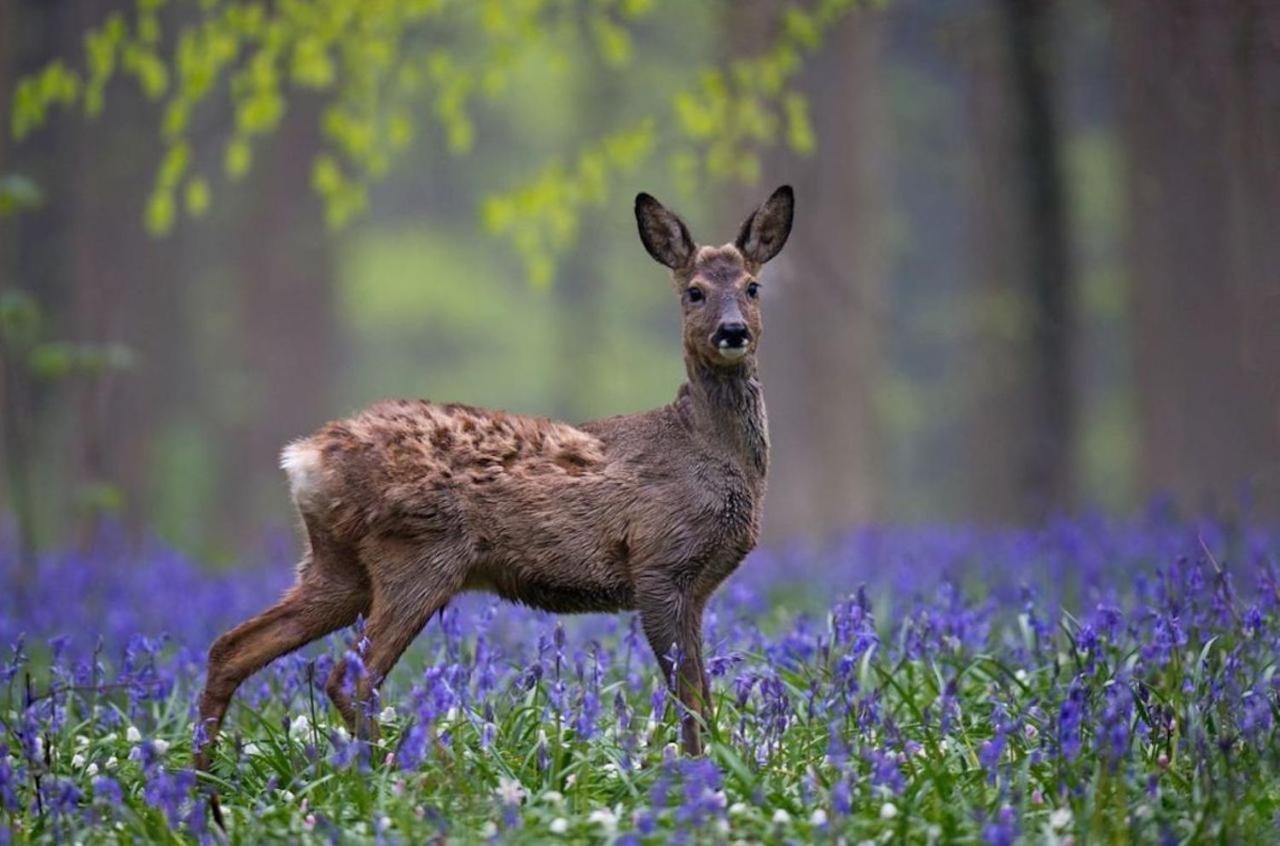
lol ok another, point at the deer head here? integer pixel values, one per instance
(719, 286)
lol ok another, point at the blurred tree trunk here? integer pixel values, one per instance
(581, 285)
(1029, 34)
(287, 329)
(823, 298)
(1201, 86)
(124, 288)
(1023, 421)
(35, 261)
(17, 496)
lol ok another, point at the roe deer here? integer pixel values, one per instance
(410, 503)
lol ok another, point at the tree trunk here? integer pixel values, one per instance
(15, 417)
(289, 353)
(1028, 30)
(33, 259)
(580, 288)
(124, 288)
(820, 355)
(1022, 418)
(1201, 81)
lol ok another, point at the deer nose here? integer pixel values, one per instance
(731, 335)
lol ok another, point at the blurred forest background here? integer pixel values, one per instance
(1036, 263)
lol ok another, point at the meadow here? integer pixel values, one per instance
(1091, 681)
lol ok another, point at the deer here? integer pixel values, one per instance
(410, 503)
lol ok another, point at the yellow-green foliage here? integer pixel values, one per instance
(380, 65)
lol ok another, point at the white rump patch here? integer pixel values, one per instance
(302, 463)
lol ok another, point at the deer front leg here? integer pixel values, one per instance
(673, 620)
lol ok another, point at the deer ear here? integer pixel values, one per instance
(766, 230)
(663, 233)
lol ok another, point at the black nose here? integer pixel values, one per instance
(732, 335)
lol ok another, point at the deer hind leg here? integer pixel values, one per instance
(671, 619)
(408, 588)
(317, 605)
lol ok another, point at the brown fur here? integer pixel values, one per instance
(410, 502)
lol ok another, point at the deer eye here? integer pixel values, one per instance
(753, 290)
(696, 295)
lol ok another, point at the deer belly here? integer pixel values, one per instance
(573, 591)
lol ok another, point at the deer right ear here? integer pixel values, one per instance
(663, 233)
(765, 232)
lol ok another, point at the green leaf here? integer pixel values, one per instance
(101, 497)
(54, 360)
(238, 158)
(18, 194)
(20, 318)
(197, 196)
(160, 211)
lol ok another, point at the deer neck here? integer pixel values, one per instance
(726, 409)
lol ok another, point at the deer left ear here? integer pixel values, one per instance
(765, 232)
(663, 233)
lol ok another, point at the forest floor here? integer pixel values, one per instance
(1092, 681)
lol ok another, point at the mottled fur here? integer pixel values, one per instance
(410, 502)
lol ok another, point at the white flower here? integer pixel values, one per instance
(571, 779)
(1021, 675)
(388, 714)
(781, 817)
(111, 763)
(251, 748)
(286, 795)
(451, 714)
(161, 746)
(489, 830)
(737, 809)
(1031, 732)
(559, 825)
(509, 791)
(133, 735)
(37, 746)
(77, 760)
(82, 742)
(1142, 812)
(91, 770)
(300, 728)
(553, 797)
(721, 826)
(818, 818)
(605, 818)
(1060, 819)
(888, 811)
